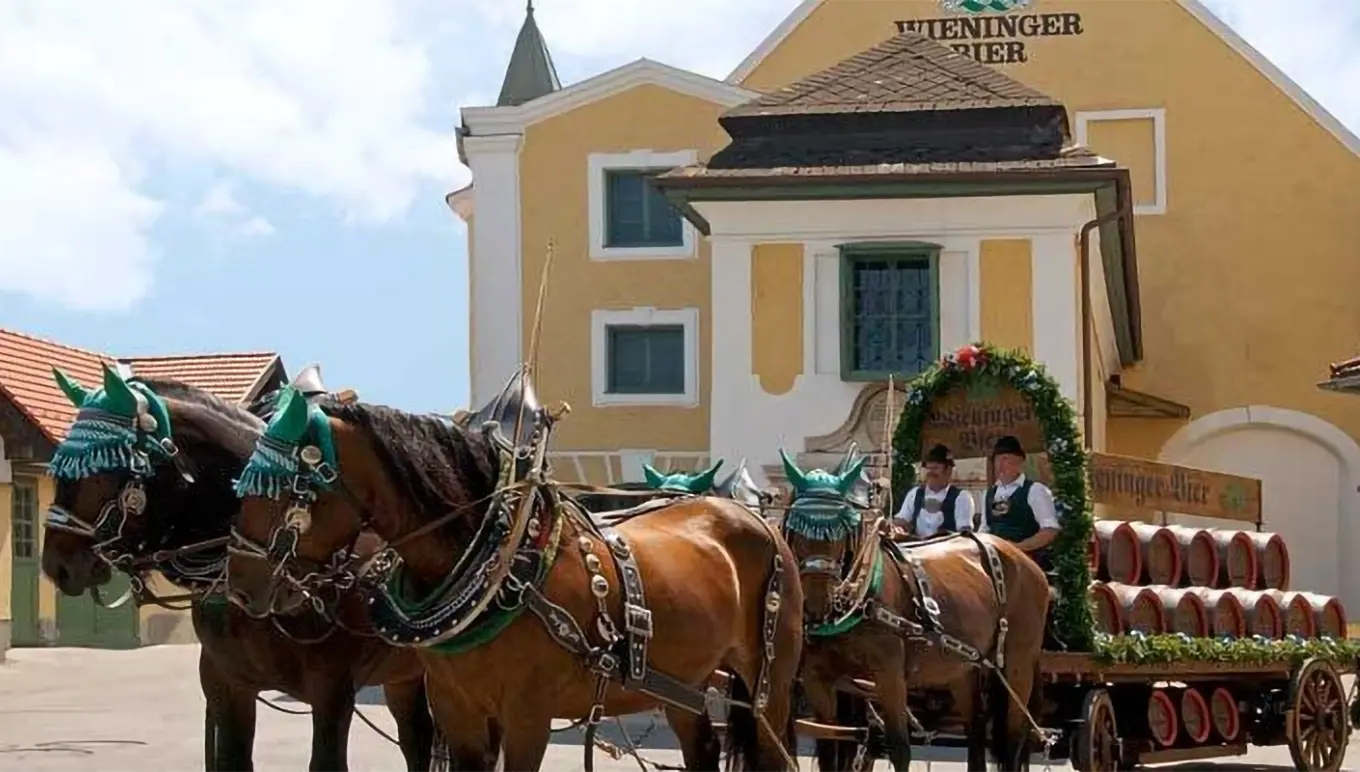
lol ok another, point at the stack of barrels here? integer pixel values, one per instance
(1202, 582)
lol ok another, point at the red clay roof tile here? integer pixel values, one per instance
(26, 364)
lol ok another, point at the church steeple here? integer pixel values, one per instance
(531, 73)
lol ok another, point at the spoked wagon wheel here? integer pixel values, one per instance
(1318, 724)
(1096, 745)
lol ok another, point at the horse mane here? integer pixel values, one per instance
(184, 392)
(440, 466)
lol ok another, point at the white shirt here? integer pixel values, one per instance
(927, 523)
(1040, 500)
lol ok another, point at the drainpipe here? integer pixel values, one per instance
(1088, 414)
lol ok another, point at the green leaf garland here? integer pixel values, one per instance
(1139, 649)
(973, 367)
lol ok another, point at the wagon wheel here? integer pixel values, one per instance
(1317, 724)
(1096, 746)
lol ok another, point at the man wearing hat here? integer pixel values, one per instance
(1019, 509)
(937, 506)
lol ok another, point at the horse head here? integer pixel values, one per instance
(146, 467)
(323, 473)
(823, 525)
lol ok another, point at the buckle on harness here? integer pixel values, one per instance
(931, 606)
(637, 620)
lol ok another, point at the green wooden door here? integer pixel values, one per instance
(82, 622)
(24, 586)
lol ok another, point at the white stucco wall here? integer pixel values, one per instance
(749, 423)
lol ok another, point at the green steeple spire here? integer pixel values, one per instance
(531, 73)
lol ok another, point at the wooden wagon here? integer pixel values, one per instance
(1095, 711)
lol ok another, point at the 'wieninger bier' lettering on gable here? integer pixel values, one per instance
(992, 36)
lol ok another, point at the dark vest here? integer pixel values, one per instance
(947, 524)
(1018, 523)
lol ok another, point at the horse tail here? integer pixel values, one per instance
(743, 734)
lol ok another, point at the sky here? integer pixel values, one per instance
(188, 176)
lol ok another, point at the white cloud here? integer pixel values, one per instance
(301, 94)
(256, 226)
(220, 208)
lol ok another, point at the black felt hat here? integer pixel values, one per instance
(1008, 445)
(939, 455)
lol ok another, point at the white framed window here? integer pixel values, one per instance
(629, 218)
(1158, 117)
(645, 356)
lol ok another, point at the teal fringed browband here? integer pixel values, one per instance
(299, 434)
(271, 469)
(97, 442)
(822, 517)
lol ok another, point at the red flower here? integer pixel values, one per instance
(969, 356)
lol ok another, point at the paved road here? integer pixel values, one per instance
(81, 709)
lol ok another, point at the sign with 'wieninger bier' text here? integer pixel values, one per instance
(991, 36)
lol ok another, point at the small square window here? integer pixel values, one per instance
(890, 312)
(637, 214)
(645, 359)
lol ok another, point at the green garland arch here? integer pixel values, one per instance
(975, 365)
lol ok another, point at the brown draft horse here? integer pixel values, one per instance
(917, 621)
(435, 489)
(186, 500)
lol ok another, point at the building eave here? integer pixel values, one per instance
(461, 202)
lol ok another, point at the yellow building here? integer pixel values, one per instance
(748, 316)
(34, 417)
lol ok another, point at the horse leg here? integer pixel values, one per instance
(822, 700)
(332, 711)
(472, 743)
(525, 738)
(698, 742)
(231, 711)
(891, 684)
(415, 728)
(970, 703)
(1019, 732)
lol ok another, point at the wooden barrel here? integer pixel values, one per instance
(1329, 616)
(1107, 610)
(1227, 617)
(1121, 560)
(1162, 558)
(1272, 561)
(1163, 723)
(1236, 559)
(1200, 556)
(1196, 719)
(1139, 609)
(1227, 719)
(1183, 611)
(1298, 613)
(1264, 616)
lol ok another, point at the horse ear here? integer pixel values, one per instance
(796, 477)
(852, 475)
(655, 479)
(290, 417)
(71, 388)
(703, 482)
(121, 398)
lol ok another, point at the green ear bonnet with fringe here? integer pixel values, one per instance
(682, 482)
(297, 443)
(821, 508)
(117, 427)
